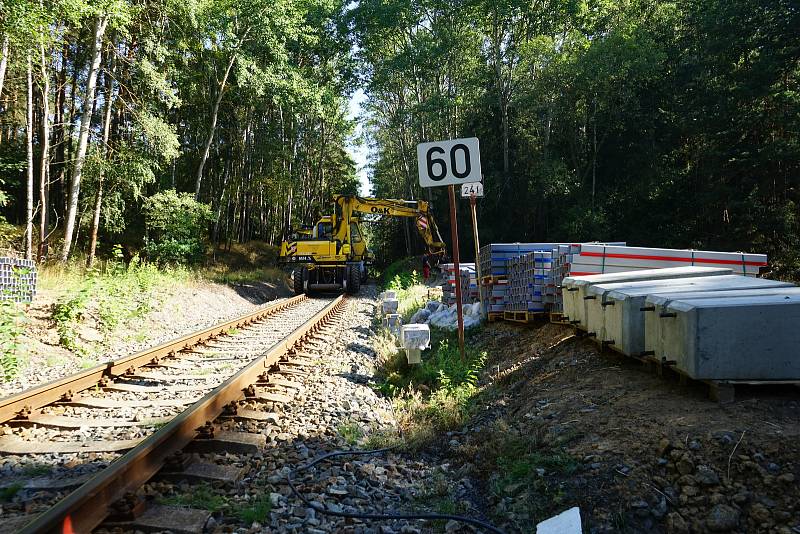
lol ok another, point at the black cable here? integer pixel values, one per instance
(354, 515)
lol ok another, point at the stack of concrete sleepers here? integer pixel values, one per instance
(743, 338)
(17, 279)
(600, 259)
(661, 342)
(574, 286)
(615, 315)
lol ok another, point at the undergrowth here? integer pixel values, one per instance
(12, 327)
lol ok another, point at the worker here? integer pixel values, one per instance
(426, 267)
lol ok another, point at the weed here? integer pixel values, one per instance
(12, 326)
(351, 432)
(201, 497)
(232, 331)
(9, 492)
(257, 511)
(36, 470)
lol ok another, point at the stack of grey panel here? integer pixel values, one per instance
(17, 279)
(741, 337)
(616, 315)
(574, 288)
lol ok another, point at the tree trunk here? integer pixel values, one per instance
(3, 63)
(98, 198)
(210, 137)
(44, 173)
(83, 136)
(29, 189)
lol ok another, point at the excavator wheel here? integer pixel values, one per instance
(353, 279)
(297, 282)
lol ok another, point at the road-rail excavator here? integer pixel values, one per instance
(334, 254)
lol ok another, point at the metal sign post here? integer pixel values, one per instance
(472, 203)
(456, 268)
(451, 163)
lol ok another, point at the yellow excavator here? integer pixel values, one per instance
(334, 254)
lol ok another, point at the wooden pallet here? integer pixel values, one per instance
(522, 316)
(558, 318)
(721, 391)
(490, 280)
(495, 316)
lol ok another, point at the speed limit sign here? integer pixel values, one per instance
(453, 162)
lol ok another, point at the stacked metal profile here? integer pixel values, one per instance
(529, 276)
(17, 279)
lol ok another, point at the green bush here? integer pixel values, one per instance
(11, 329)
(174, 225)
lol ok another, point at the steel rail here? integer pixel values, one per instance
(86, 507)
(63, 388)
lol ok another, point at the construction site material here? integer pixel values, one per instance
(599, 259)
(614, 316)
(567, 522)
(467, 279)
(656, 314)
(393, 322)
(414, 338)
(389, 305)
(574, 287)
(746, 338)
(17, 279)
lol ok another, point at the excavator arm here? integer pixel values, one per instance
(418, 209)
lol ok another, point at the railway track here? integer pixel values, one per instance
(83, 445)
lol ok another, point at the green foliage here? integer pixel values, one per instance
(68, 314)
(202, 497)
(350, 432)
(258, 510)
(174, 223)
(9, 492)
(12, 327)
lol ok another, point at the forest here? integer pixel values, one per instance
(661, 123)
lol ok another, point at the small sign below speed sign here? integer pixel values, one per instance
(453, 162)
(474, 188)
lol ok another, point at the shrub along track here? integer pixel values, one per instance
(75, 430)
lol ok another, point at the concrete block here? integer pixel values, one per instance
(742, 338)
(574, 288)
(389, 306)
(616, 314)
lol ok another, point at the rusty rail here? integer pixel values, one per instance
(37, 397)
(87, 506)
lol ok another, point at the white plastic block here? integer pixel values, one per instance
(415, 336)
(567, 522)
(390, 305)
(388, 295)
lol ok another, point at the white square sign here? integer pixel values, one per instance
(473, 188)
(453, 162)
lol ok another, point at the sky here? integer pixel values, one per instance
(359, 151)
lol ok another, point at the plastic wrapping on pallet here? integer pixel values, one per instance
(616, 317)
(18, 279)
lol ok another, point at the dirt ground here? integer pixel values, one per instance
(650, 455)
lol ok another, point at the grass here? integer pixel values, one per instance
(36, 470)
(202, 497)
(257, 511)
(350, 432)
(8, 493)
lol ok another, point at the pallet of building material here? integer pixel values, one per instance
(18, 279)
(522, 316)
(574, 286)
(604, 257)
(615, 314)
(741, 338)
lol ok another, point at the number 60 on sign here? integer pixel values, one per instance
(453, 162)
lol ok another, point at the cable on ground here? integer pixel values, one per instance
(387, 516)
